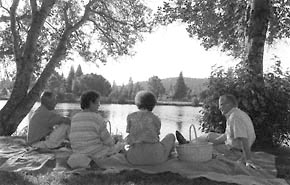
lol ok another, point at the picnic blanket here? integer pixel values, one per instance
(16, 156)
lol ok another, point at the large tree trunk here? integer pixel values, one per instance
(17, 108)
(258, 21)
(256, 35)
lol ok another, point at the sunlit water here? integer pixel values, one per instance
(172, 117)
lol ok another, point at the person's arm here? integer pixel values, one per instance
(246, 158)
(106, 137)
(65, 120)
(219, 140)
(128, 127)
(245, 147)
(128, 124)
(57, 119)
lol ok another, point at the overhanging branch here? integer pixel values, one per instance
(104, 15)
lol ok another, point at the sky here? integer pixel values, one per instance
(168, 51)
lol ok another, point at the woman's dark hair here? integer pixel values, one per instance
(87, 97)
(145, 100)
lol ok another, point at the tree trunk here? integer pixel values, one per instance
(17, 108)
(258, 21)
(256, 35)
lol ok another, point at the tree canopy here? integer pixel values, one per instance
(155, 85)
(224, 23)
(38, 35)
(180, 88)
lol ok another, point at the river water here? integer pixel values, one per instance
(172, 117)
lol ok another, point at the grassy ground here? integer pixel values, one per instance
(45, 177)
(124, 178)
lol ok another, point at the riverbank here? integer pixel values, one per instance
(106, 100)
(170, 103)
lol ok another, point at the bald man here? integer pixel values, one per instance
(240, 134)
(46, 128)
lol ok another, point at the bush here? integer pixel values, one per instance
(268, 106)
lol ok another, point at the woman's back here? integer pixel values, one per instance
(143, 127)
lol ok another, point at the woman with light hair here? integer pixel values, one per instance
(144, 127)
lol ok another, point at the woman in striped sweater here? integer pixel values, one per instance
(89, 135)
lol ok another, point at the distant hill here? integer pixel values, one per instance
(195, 84)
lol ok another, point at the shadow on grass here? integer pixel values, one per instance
(10, 178)
(282, 160)
(136, 177)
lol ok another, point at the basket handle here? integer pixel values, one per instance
(108, 122)
(192, 126)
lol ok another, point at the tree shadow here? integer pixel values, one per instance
(282, 160)
(12, 178)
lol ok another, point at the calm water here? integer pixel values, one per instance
(172, 117)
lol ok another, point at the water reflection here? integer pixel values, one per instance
(179, 125)
(180, 116)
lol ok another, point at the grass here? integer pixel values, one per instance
(123, 178)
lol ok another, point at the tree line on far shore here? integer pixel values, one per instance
(69, 89)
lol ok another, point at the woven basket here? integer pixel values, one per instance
(195, 151)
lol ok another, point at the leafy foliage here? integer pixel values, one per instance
(224, 22)
(95, 82)
(155, 85)
(268, 107)
(79, 71)
(69, 80)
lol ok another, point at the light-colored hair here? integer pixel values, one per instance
(230, 98)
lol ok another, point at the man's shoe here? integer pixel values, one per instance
(181, 140)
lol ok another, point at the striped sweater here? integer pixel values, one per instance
(89, 134)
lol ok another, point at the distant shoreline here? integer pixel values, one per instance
(170, 103)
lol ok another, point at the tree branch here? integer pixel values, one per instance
(112, 40)
(104, 15)
(1, 5)
(66, 19)
(33, 5)
(56, 30)
(85, 16)
(78, 38)
(35, 28)
(15, 34)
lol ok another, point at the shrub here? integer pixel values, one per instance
(268, 106)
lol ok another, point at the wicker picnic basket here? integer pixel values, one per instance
(195, 151)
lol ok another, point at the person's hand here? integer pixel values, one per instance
(248, 163)
(251, 164)
(66, 120)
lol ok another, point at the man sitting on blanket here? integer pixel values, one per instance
(239, 134)
(47, 129)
